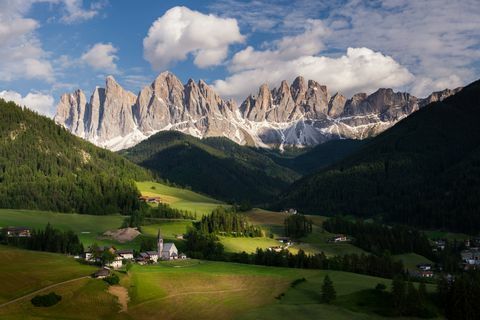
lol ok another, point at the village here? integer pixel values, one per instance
(111, 258)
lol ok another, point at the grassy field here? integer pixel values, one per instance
(89, 228)
(410, 260)
(181, 199)
(437, 234)
(246, 244)
(216, 290)
(23, 271)
(189, 289)
(311, 244)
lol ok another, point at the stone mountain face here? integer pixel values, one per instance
(299, 114)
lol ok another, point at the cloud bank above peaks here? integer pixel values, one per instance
(357, 70)
(181, 32)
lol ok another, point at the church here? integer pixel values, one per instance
(166, 251)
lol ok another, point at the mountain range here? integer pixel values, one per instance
(424, 171)
(299, 114)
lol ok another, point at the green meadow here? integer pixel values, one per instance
(22, 271)
(178, 198)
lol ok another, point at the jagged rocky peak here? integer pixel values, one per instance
(71, 111)
(336, 105)
(299, 114)
(298, 89)
(439, 96)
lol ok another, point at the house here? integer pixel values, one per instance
(275, 249)
(424, 266)
(153, 256)
(284, 240)
(143, 258)
(182, 256)
(17, 232)
(338, 238)
(426, 273)
(440, 244)
(126, 254)
(102, 273)
(291, 211)
(116, 263)
(166, 251)
(471, 258)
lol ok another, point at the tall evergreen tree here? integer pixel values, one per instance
(328, 291)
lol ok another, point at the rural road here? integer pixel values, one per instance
(40, 290)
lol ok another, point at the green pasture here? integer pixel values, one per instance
(178, 198)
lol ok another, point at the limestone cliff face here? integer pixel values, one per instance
(301, 113)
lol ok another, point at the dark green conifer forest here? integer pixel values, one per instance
(42, 166)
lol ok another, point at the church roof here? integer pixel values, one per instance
(168, 246)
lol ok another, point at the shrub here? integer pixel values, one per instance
(380, 287)
(46, 300)
(296, 282)
(112, 279)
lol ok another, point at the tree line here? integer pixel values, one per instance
(377, 238)
(297, 226)
(227, 222)
(48, 239)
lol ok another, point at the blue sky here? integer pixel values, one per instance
(49, 47)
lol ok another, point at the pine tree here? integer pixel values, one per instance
(328, 291)
(399, 294)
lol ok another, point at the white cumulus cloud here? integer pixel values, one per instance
(42, 103)
(101, 57)
(181, 31)
(357, 70)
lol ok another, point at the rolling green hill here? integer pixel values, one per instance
(42, 166)
(214, 166)
(424, 171)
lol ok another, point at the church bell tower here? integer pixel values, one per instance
(159, 245)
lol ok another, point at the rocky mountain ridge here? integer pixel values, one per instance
(301, 114)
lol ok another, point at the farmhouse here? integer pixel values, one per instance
(126, 254)
(339, 238)
(102, 273)
(471, 258)
(17, 232)
(150, 199)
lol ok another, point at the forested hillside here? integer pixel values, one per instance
(424, 171)
(215, 166)
(315, 158)
(42, 166)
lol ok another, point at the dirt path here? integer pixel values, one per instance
(40, 290)
(122, 295)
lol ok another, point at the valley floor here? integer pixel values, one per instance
(190, 289)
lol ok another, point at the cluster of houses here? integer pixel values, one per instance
(165, 251)
(17, 232)
(148, 199)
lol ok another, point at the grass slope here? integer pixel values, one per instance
(214, 166)
(22, 271)
(424, 171)
(189, 289)
(179, 198)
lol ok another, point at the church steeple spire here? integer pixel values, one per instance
(159, 245)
